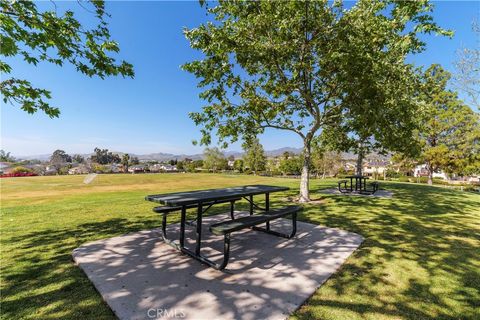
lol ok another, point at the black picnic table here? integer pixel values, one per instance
(360, 185)
(360, 182)
(207, 198)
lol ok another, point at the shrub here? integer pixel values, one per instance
(275, 172)
(422, 179)
(21, 169)
(392, 174)
(63, 170)
(439, 181)
(472, 188)
(98, 168)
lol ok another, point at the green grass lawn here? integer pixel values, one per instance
(420, 258)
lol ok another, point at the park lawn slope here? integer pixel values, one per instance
(419, 260)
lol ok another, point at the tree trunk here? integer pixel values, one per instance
(430, 170)
(304, 179)
(359, 167)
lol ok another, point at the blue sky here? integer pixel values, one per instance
(150, 113)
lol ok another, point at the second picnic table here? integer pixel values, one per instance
(202, 200)
(360, 185)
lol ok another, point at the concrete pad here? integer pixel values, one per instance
(268, 277)
(380, 193)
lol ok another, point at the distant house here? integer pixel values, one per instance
(116, 168)
(81, 169)
(474, 179)
(349, 165)
(422, 171)
(372, 168)
(162, 167)
(50, 170)
(230, 163)
(136, 169)
(4, 167)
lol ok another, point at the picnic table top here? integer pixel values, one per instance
(199, 196)
(357, 177)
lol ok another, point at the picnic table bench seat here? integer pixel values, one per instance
(230, 226)
(374, 188)
(225, 228)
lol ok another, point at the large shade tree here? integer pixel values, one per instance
(47, 33)
(296, 65)
(450, 130)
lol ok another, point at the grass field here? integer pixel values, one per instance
(420, 259)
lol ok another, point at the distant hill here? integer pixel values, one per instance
(161, 156)
(279, 152)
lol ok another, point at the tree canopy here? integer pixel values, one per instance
(6, 157)
(59, 158)
(300, 66)
(103, 156)
(214, 159)
(254, 157)
(450, 130)
(57, 37)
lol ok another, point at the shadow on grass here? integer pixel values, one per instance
(42, 275)
(419, 259)
(46, 278)
(421, 247)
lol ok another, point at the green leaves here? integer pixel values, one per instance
(298, 66)
(310, 67)
(29, 98)
(47, 36)
(254, 156)
(450, 130)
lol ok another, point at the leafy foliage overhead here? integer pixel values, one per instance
(55, 37)
(296, 66)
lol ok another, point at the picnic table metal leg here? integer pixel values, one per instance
(251, 205)
(232, 210)
(267, 207)
(182, 226)
(281, 234)
(226, 255)
(199, 229)
(164, 226)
